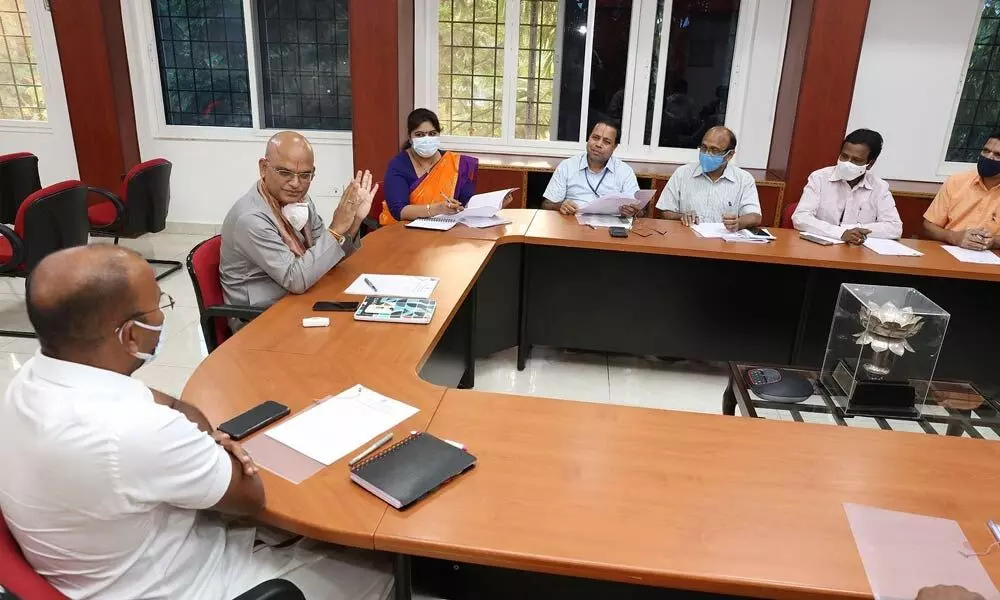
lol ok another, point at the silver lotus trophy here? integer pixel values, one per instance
(883, 340)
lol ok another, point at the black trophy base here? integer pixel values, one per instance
(871, 398)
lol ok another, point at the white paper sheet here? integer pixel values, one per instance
(434, 224)
(611, 205)
(403, 286)
(983, 257)
(481, 205)
(903, 552)
(889, 247)
(484, 222)
(341, 424)
(604, 220)
(710, 230)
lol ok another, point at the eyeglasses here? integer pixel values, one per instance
(287, 175)
(166, 301)
(712, 152)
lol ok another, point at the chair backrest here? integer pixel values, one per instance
(145, 193)
(53, 218)
(203, 267)
(786, 215)
(18, 180)
(17, 575)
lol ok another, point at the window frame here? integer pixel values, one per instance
(142, 17)
(426, 70)
(946, 167)
(38, 45)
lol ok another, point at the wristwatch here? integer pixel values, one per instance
(340, 239)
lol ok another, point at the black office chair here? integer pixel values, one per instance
(140, 207)
(18, 180)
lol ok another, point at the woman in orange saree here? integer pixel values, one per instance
(422, 181)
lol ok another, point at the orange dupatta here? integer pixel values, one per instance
(441, 179)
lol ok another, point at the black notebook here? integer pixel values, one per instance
(409, 470)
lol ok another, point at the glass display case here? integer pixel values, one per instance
(883, 347)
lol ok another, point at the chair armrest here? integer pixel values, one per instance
(228, 311)
(16, 247)
(274, 589)
(369, 225)
(115, 200)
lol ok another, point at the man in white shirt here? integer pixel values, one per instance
(106, 482)
(579, 180)
(712, 190)
(845, 201)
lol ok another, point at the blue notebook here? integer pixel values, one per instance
(391, 309)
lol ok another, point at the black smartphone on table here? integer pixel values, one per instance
(618, 232)
(254, 419)
(335, 306)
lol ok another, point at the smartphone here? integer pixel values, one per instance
(335, 306)
(254, 419)
(619, 232)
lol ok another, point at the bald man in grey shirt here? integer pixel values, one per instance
(273, 241)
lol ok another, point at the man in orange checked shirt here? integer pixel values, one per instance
(966, 211)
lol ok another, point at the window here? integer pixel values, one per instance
(254, 63)
(304, 62)
(978, 112)
(21, 94)
(515, 72)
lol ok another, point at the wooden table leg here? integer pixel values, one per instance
(729, 400)
(401, 569)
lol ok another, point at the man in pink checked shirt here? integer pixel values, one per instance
(845, 201)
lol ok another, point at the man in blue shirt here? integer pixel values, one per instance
(581, 179)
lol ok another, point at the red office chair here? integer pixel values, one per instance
(18, 577)
(18, 180)
(53, 218)
(786, 215)
(140, 207)
(203, 267)
(371, 223)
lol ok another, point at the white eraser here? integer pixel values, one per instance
(316, 322)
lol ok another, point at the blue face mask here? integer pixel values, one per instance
(710, 162)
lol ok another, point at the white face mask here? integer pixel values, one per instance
(426, 146)
(297, 214)
(146, 357)
(849, 171)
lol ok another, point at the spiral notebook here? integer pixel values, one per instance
(409, 470)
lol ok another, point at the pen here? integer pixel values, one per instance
(370, 284)
(994, 529)
(381, 442)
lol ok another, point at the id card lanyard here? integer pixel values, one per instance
(592, 188)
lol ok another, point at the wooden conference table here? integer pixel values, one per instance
(670, 499)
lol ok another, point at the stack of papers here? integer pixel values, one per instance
(434, 224)
(979, 257)
(612, 205)
(718, 230)
(604, 220)
(401, 286)
(889, 247)
(444, 224)
(341, 424)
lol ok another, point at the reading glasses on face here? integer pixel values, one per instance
(289, 175)
(712, 151)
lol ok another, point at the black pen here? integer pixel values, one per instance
(370, 284)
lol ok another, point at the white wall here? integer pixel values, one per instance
(912, 68)
(51, 142)
(214, 166)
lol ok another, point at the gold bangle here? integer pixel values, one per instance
(340, 239)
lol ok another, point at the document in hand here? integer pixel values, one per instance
(612, 205)
(341, 424)
(404, 286)
(890, 247)
(979, 257)
(480, 205)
